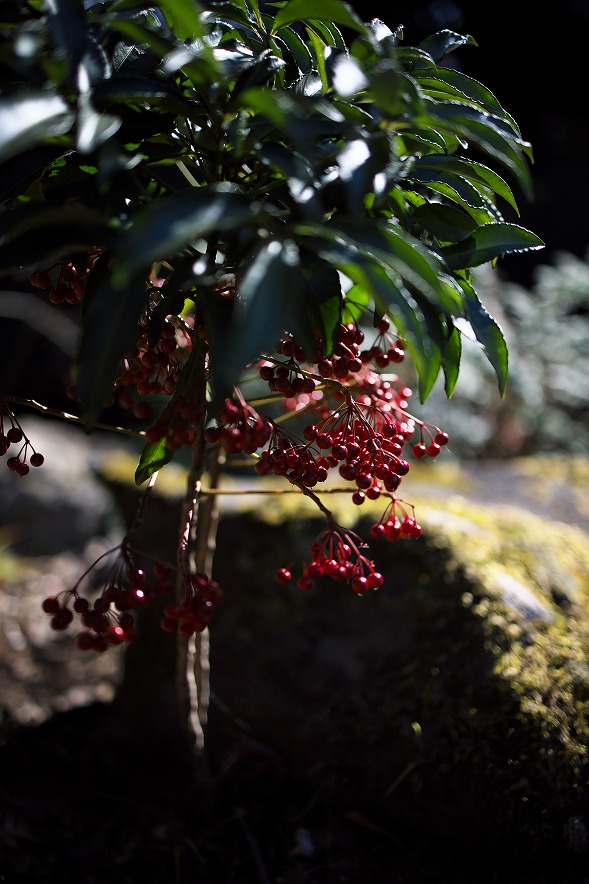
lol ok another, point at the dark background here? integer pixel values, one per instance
(534, 58)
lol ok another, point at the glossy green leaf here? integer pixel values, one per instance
(447, 223)
(464, 86)
(322, 10)
(443, 42)
(488, 334)
(173, 223)
(154, 456)
(183, 17)
(272, 298)
(485, 179)
(488, 132)
(29, 117)
(489, 242)
(406, 256)
(451, 360)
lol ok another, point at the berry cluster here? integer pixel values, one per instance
(239, 427)
(336, 554)
(70, 284)
(193, 613)
(152, 368)
(14, 435)
(109, 619)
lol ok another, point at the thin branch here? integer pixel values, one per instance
(72, 418)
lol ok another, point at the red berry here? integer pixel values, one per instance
(375, 580)
(50, 605)
(15, 434)
(305, 583)
(283, 576)
(360, 584)
(36, 459)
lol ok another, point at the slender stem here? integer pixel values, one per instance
(208, 521)
(72, 418)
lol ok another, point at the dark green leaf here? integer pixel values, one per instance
(481, 176)
(446, 41)
(446, 223)
(321, 10)
(488, 334)
(170, 224)
(110, 328)
(19, 172)
(451, 360)
(37, 234)
(272, 296)
(67, 22)
(489, 242)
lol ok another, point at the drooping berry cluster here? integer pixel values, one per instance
(152, 368)
(108, 620)
(239, 427)
(193, 613)
(14, 435)
(336, 554)
(70, 283)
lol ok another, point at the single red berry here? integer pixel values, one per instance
(433, 449)
(360, 584)
(442, 438)
(378, 530)
(375, 580)
(36, 459)
(283, 576)
(420, 450)
(50, 605)
(85, 641)
(305, 583)
(15, 434)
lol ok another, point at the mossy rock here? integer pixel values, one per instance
(455, 698)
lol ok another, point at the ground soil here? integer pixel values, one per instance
(81, 802)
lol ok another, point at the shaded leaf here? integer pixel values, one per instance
(110, 328)
(489, 242)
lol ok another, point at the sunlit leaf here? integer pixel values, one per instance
(30, 116)
(322, 10)
(488, 334)
(489, 242)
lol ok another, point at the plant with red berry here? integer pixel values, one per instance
(263, 220)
